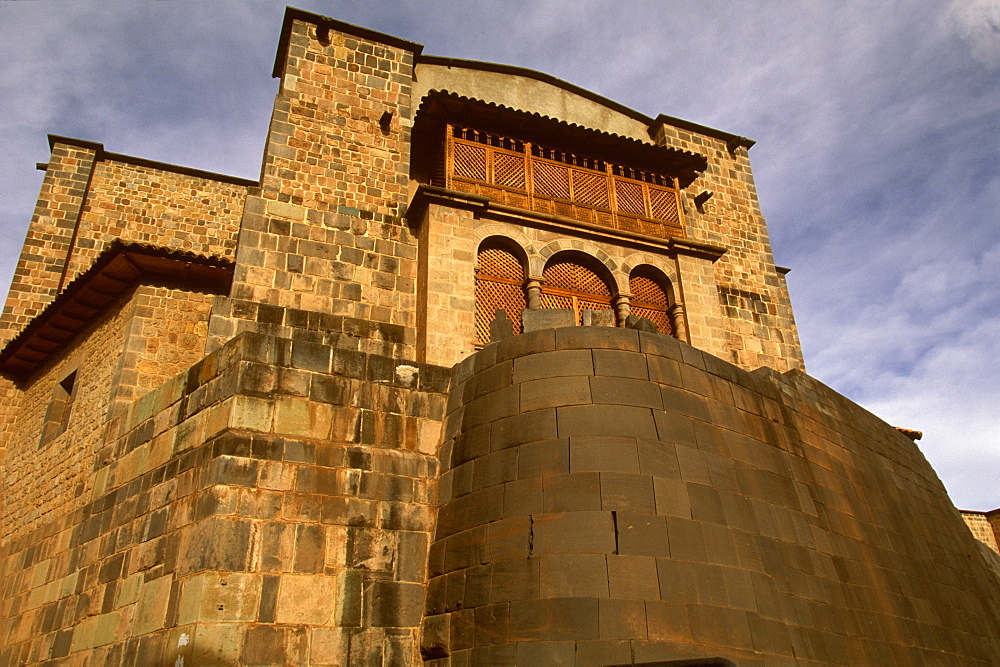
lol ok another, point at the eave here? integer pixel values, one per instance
(118, 269)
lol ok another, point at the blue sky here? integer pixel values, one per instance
(877, 163)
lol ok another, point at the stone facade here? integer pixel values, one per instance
(258, 422)
(985, 526)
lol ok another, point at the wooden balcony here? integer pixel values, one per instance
(531, 176)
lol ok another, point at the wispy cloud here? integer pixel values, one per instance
(876, 163)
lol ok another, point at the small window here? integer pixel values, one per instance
(650, 298)
(571, 285)
(60, 407)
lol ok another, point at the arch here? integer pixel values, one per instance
(663, 264)
(516, 237)
(652, 297)
(591, 250)
(500, 265)
(577, 281)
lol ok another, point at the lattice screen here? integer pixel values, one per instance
(508, 170)
(570, 276)
(570, 285)
(498, 286)
(470, 161)
(650, 300)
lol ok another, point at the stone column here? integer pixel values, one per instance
(678, 321)
(622, 308)
(533, 288)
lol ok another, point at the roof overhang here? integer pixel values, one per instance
(117, 270)
(439, 107)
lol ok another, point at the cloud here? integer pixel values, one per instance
(876, 163)
(977, 23)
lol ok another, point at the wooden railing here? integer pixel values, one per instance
(519, 173)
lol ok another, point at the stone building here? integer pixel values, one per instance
(985, 526)
(267, 422)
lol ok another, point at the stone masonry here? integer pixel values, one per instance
(255, 422)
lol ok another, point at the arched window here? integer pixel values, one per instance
(570, 284)
(650, 297)
(499, 281)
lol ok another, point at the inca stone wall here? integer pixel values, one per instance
(153, 334)
(271, 505)
(759, 328)
(90, 197)
(325, 232)
(985, 527)
(610, 496)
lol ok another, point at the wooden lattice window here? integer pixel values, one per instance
(569, 284)
(650, 299)
(499, 285)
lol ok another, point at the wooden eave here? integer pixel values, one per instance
(117, 270)
(440, 107)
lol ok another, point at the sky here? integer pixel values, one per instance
(877, 162)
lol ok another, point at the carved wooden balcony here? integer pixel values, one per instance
(531, 176)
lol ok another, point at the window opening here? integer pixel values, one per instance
(60, 407)
(650, 300)
(573, 286)
(499, 285)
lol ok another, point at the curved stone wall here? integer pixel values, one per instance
(611, 496)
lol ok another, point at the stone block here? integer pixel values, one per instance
(544, 653)
(435, 640)
(622, 619)
(216, 543)
(686, 539)
(554, 392)
(642, 534)
(633, 577)
(274, 645)
(547, 318)
(671, 497)
(492, 624)
(591, 653)
(625, 391)
(619, 420)
(603, 453)
(657, 458)
(532, 342)
(328, 646)
(574, 575)
(523, 497)
(523, 428)
(685, 403)
(572, 492)
(515, 580)
(217, 597)
(574, 532)
(508, 539)
(620, 363)
(554, 619)
(306, 599)
(627, 491)
(558, 363)
(706, 505)
(215, 644)
(548, 457)
(666, 620)
(477, 585)
(596, 337)
(678, 582)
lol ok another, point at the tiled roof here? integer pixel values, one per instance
(120, 267)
